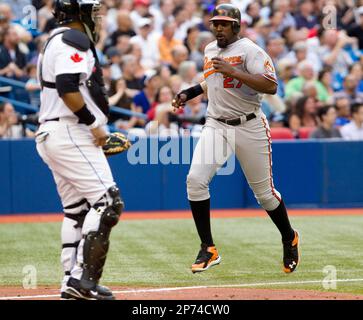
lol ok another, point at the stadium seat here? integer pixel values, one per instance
(278, 133)
(304, 132)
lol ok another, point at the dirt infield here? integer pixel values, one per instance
(48, 293)
(230, 213)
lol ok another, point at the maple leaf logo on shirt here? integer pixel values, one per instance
(76, 58)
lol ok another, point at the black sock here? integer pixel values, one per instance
(281, 220)
(201, 215)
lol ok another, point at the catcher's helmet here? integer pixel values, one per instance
(228, 12)
(84, 11)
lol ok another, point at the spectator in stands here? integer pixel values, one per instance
(294, 124)
(114, 57)
(325, 78)
(204, 25)
(181, 20)
(179, 54)
(39, 43)
(147, 40)
(332, 51)
(287, 19)
(350, 90)
(192, 9)
(162, 14)
(188, 72)
(17, 7)
(305, 72)
(128, 67)
(123, 44)
(303, 113)
(309, 90)
(141, 10)
(261, 32)
(291, 36)
(345, 13)
(277, 120)
(106, 73)
(197, 55)
(272, 104)
(135, 50)
(45, 13)
(33, 85)
(6, 11)
(327, 116)
(163, 96)
(342, 106)
(12, 59)
(190, 40)
(305, 17)
(195, 109)
(4, 25)
(356, 70)
(146, 97)
(253, 11)
(124, 26)
(104, 41)
(175, 83)
(275, 48)
(356, 30)
(122, 99)
(161, 124)
(301, 51)
(167, 42)
(3, 28)
(354, 129)
(276, 18)
(10, 128)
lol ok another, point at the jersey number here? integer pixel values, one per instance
(229, 83)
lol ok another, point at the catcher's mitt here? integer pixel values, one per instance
(116, 143)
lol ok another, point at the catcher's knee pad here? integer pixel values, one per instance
(96, 243)
(197, 188)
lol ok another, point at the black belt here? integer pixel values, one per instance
(237, 121)
(51, 85)
(47, 84)
(54, 119)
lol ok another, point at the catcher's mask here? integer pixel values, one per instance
(228, 12)
(84, 11)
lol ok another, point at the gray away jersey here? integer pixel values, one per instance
(228, 97)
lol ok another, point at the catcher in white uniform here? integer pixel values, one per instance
(72, 115)
(237, 73)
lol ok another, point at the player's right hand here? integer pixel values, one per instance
(100, 136)
(179, 101)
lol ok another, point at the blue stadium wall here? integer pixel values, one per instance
(307, 173)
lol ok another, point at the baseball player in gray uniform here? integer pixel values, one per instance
(73, 113)
(236, 75)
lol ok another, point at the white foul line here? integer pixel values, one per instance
(244, 285)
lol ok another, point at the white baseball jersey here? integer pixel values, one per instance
(60, 58)
(228, 97)
(80, 169)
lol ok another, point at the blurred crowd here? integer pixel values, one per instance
(151, 49)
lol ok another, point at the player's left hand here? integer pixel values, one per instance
(222, 66)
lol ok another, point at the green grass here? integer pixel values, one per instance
(158, 253)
